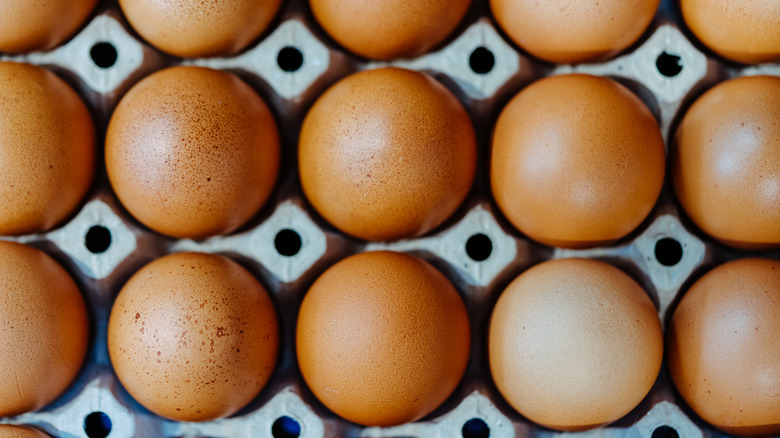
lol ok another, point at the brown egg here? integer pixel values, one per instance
(27, 25)
(387, 154)
(578, 161)
(192, 152)
(383, 338)
(724, 347)
(568, 32)
(746, 31)
(726, 164)
(193, 336)
(574, 344)
(200, 28)
(9, 431)
(44, 329)
(388, 29)
(47, 149)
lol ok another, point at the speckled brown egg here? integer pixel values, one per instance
(383, 338)
(726, 163)
(193, 336)
(200, 28)
(28, 25)
(47, 149)
(44, 330)
(9, 431)
(577, 161)
(387, 154)
(723, 347)
(746, 31)
(388, 29)
(192, 152)
(574, 344)
(568, 32)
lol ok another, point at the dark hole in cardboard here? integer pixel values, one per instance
(288, 242)
(290, 59)
(97, 425)
(103, 54)
(98, 239)
(482, 61)
(665, 432)
(479, 247)
(476, 428)
(668, 251)
(285, 427)
(668, 64)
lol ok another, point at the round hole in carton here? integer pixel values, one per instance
(98, 239)
(97, 425)
(479, 247)
(665, 432)
(288, 242)
(103, 54)
(286, 427)
(476, 428)
(668, 64)
(668, 251)
(290, 59)
(482, 61)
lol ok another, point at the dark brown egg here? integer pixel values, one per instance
(193, 336)
(192, 152)
(28, 25)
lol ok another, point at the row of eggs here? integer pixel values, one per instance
(554, 31)
(383, 338)
(577, 160)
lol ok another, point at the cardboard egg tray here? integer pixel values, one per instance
(288, 245)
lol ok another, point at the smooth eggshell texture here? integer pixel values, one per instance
(192, 152)
(9, 431)
(388, 29)
(28, 25)
(200, 28)
(47, 149)
(574, 344)
(577, 161)
(387, 154)
(44, 330)
(723, 347)
(382, 338)
(193, 336)
(746, 31)
(567, 32)
(726, 163)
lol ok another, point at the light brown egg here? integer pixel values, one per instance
(200, 28)
(723, 347)
(47, 149)
(388, 29)
(193, 336)
(574, 344)
(746, 31)
(192, 152)
(568, 32)
(577, 161)
(28, 25)
(726, 163)
(9, 431)
(387, 154)
(44, 330)
(382, 338)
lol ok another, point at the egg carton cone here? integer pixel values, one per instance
(287, 245)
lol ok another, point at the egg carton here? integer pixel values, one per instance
(288, 245)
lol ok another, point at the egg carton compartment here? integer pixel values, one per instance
(288, 245)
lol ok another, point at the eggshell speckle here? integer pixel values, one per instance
(47, 149)
(192, 152)
(724, 347)
(564, 31)
(44, 329)
(387, 154)
(746, 31)
(193, 337)
(9, 431)
(726, 164)
(574, 344)
(200, 28)
(27, 25)
(577, 161)
(383, 338)
(387, 29)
